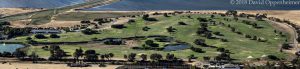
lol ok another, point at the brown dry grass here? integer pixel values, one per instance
(292, 15)
(53, 23)
(12, 11)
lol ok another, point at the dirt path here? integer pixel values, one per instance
(291, 31)
(12, 11)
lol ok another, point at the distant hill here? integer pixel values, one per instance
(37, 3)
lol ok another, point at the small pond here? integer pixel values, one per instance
(9, 47)
(174, 47)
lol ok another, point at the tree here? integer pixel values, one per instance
(218, 33)
(298, 39)
(91, 55)
(254, 38)
(28, 38)
(151, 43)
(146, 28)
(19, 54)
(156, 57)
(170, 57)
(145, 16)
(13, 32)
(107, 56)
(206, 58)
(56, 53)
(40, 36)
(200, 42)
(114, 41)
(85, 21)
(144, 57)
(231, 12)
(171, 29)
(131, 57)
(111, 55)
(7, 54)
(224, 56)
(2, 23)
(102, 57)
(166, 15)
(273, 57)
(248, 36)
(89, 31)
(54, 36)
(131, 21)
(212, 16)
(78, 53)
(199, 50)
(34, 57)
(202, 30)
(125, 56)
(181, 23)
(190, 57)
(118, 26)
(202, 19)
(221, 49)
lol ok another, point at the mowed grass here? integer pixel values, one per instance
(240, 46)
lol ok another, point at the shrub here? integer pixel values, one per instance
(218, 33)
(164, 39)
(212, 16)
(54, 36)
(89, 31)
(146, 28)
(181, 23)
(166, 15)
(85, 21)
(199, 50)
(254, 38)
(28, 38)
(202, 19)
(4, 23)
(224, 40)
(151, 19)
(273, 57)
(40, 36)
(118, 26)
(200, 42)
(240, 33)
(248, 36)
(262, 39)
(146, 17)
(171, 29)
(131, 21)
(286, 46)
(151, 43)
(114, 42)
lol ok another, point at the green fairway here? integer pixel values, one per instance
(240, 46)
